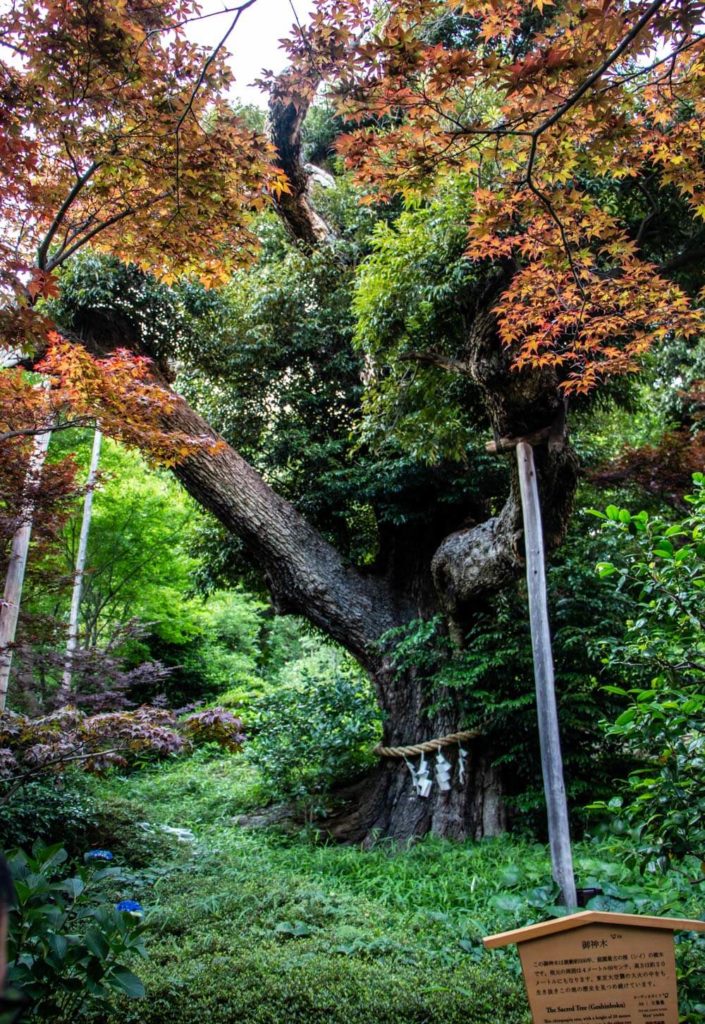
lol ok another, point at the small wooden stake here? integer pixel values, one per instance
(551, 760)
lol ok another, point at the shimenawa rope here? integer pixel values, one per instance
(428, 746)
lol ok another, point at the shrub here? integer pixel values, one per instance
(30, 747)
(47, 811)
(316, 729)
(67, 944)
(659, 664)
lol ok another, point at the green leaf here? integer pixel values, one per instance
(73, 887)
(507, 902)
(663, 548)
(127, 982)
(59, 945)
(97, 943)
(510, 876)
(626, 717)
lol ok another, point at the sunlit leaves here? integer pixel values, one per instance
(119, 391)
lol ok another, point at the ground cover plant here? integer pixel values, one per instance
(271, 927)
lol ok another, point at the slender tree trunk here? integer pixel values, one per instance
(72, 642)
(14, 581)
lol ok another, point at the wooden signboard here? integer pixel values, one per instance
(599, 968)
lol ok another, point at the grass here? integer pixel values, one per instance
(265, 928)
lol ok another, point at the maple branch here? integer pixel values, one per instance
(543, 198)
(575, 97)
(15, 49)
(40, 769)
(650, 216)
(200, 17)
(683, 47)
(81, 421)
(129, 212)
(605, 66)
(199, 82)
(68, 202)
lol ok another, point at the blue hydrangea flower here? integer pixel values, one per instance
(130, 906)
(98, 855)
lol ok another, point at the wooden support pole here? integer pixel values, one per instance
(14, 581)
(72, 643)
(549, 736)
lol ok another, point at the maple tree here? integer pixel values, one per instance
(30, 747)
(549, 109)
(114, 132)
(577, 128)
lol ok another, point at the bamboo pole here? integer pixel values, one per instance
(14, 581)
(549, 736)
(72, 642)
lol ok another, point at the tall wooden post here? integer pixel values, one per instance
(551, 759)
(14, 581)
(72, 643)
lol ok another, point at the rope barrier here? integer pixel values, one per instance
(428, 746)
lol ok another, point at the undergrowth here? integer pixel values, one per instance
(261, 927)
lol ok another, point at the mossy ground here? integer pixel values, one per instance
(259, 927)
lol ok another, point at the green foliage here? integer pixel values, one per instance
(143, 563)
(265, 928)
(658, 665)
(413, 294)
(315, 728)
(49, 811)
(67, 945)
(320, 130)
(662, 569)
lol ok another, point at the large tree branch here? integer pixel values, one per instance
(477, 561)
(303, 572)
(286, 119)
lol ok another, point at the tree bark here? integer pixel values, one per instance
(304, 573)
(72, 642)
(14, 581)
(385, 805)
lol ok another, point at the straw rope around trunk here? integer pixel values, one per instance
(428, 746)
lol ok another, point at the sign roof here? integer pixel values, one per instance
(586, 917)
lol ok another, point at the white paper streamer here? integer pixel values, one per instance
(443, 770)
(424, 780)
(413, 773)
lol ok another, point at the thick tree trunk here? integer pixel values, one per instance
(385, 803)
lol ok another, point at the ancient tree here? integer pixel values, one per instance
(574, 131)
